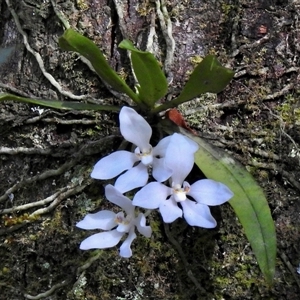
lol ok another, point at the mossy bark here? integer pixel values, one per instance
(48, 156)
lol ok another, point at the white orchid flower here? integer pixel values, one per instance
(118, 225)
(180, 158)
(136, 130)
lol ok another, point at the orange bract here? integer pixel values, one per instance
(175, 116)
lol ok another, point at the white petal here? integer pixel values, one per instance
(180, 157)
(160, 171)
(102, 240)
(124, 227)
(197, 214)
(151, 195)
(161, 148)
(210, 192)
(103, 219)
(134, 128)
(141, 226)
(133, 178)
(114, 196)
(193, 146)
(114, 164)
(170, 211)
(125, 250)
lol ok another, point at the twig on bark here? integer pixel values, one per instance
(282, 92)
(57, 198)
(166, 28)
(244, 131)
(69, 122)
(34, 204)
(88, 149)
(251, 46)
(14, 90)
(236, 103)
(69, 192)
(89, 262)
(47, 293)
(39, 58)
(50, 173)
(271, 166)
(151, 34)
(23, 150)
(60, 15)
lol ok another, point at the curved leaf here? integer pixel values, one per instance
(152, 81)
(74, 41)
(58, 104)
(249, 202)
(208, 76)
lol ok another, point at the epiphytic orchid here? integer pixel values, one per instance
(107, 220)
(180, 158)
(136, 130)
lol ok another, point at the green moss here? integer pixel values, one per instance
(289, 110)
(82, 5)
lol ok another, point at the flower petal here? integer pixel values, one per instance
(197, 214)
(210, 192)
(114, 196)
(103, 219)
(141, 226)
(114, 164)
(124, 227)
(170, 210)
(102, 240)
(160, 171)
(180, 157)
(151, 195)
(161, 148)
(133, 178)
(134, 128)
(125, 250)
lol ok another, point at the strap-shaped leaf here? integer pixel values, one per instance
(74, 41)
(249, 202)
(66, 105)
(208, 76)
(153, 84)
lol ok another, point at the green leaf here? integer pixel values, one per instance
(58, 104)
(208, 76)
(152, 81)
(249, 202)
(74, 41)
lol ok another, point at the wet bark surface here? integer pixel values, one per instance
(46, 156)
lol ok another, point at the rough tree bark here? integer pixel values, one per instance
(46, 157)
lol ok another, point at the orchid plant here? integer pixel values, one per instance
(170, 161)
(159, 172)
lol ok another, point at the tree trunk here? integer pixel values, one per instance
(46, 156)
